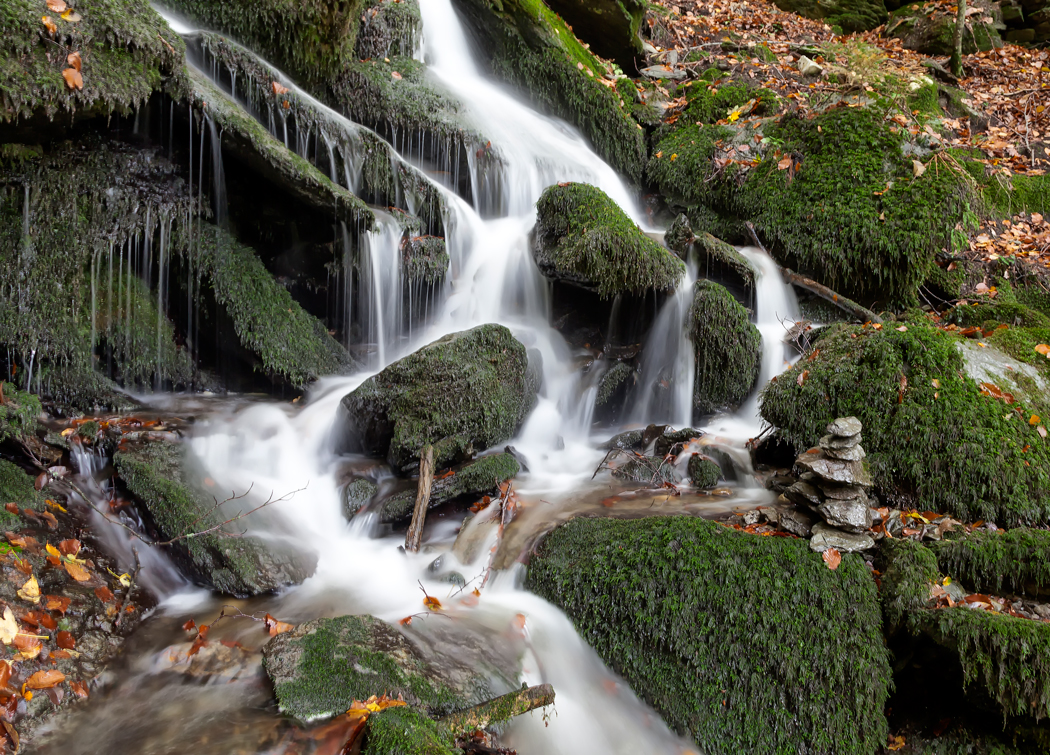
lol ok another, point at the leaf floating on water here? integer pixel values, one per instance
(832, 558)
(275, 627)
(45, 679)
(73, 78)
(76, 571)
(432, 603)
(30, 591)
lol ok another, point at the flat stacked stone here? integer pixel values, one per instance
(834, 483)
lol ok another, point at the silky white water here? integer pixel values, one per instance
(281, 450)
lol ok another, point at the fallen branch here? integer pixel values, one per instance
(419, 512)
(498, 709)
(848, 306)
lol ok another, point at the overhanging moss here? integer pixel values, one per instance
(582, 237)
(1017, 559)
(18, 413)
(16, 487)
(929, 432)
(406, 731)
(745, 644)
(727, 348)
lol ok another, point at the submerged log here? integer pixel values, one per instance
(419, 513)
(498, 709)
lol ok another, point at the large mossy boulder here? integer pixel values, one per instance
(743, 643)
(464, 392)
(127, 53)
(582, 237)
(158, 478)
(475, 479)
(531, 48)
(933, 32)
(849, 15)
(933, 435)
(610, 27)
(727, 348)
(319, 668)
(851, 214)
(16, 486)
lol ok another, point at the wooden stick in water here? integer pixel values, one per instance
(419, 513)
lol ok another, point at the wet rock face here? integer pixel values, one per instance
(478, 478)
(157, 477)
(728, 349)
(463, 393)
(609, 26)
(319, 668)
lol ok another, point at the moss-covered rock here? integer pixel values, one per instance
(166, 490)
(934, 33)
(464, 392)
(931, 434)
(1017, 560)
(478, 478)
(16, 486)
(319, 668)
(424, 259)
(531, 48)
(389, 28)
(356, 494)
(703, 472)
(18, 412)
(727, 347)
(745, 644)
(582, 237)
(848, 15)
(609, 27)
(406, 731)
(127, 53)
(722, 263)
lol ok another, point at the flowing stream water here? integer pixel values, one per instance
(275, 448)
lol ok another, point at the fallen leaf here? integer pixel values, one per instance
(66, 641)
(1043, 349)
(30, 591)
(1041, 430)
(279, 88)
(80, 689)
(785, 163)
(45, 679)
(276, 627)
(69, 547)
(28, 645)
(72, 16)
(832, 558)
(74, 61)
(432, 603)
(895, 743)
(53, 550)
(189, 625)
(56, 5)
(76, 571)
(8, 627)
(104, 594)
(1034, 419)
(49, 24)
(917, 168)
(73, 78)
(56, 603)
(802, 377)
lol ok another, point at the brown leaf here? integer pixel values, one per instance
(396, 76)
(56, 6)
(45, 679)
(76, 571)
(73, 59)
(73, 78)
(69, 547)
(190, 625)
(276, 627)
(104, 594)
(66, 641)
(80, 689)
(47, 516)
(832, 558)
(49, 24)
(56, 603)
(802, 377)
(785, 163)
(278, 88)
(12, 507)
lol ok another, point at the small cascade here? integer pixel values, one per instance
(218, 195)
(380, 295)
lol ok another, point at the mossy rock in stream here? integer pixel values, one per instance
(127, 53)
(1017, 560)
(406, 731)
(531, 48)
(464, 392)
(727, 347)
(582, 237)
(853, 215)
(1008, 657)
(18, 412)
(16, 486)
(319, 668)
(743, 643)
(157, 476)
(932, 436)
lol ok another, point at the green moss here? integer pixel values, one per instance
(583, 237)
(477, 478)
(157, 477)
(406, 731)
(703, 472)
(849, 16)
(18, 413)
(322, 666)
(1006, 196)
(620, 374)
(1017, 559)
(424, 258)
(727, 348)
(291, 344)
(942, 443)
(390, 27)
(926, 100)
(466, 391)
(745, 644)
(16, 487)
(909, 569)
(127, 53)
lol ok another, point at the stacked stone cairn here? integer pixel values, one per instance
(834, 483)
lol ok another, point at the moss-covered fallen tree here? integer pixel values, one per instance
(744, 643)
(582, 237)
(931, 433)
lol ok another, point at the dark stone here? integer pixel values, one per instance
(849, 15)
(610, 27)
(628, 441)
(703, 472)
(356, 494)
(804, 494)
(670, 440)
(797, 522)
(651, 471)
(834, 471)
(478, 478)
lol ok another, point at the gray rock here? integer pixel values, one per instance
(836, 441)
(804, 494)
(651, 471)
(628, 441)
(853, 515)
(846, 454)
(845, 427)
(835, 471)
(808, 68)
(825, 536)
(843, 492)
(752, 517)
(663, 72)
(356, 494)
(480, 477)
(797, 522)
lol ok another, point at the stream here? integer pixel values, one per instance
(156, 699)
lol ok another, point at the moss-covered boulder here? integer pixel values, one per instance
(478, 478)
(389, 28)
(126, 50)
(16, 486)
(582, 237)
(933, 435)
(357, 494)
(609, 27)
(18, 412)
(727, 347)
(743, 643)
(1016, 560)
(933, 33)
(158, 478)
(319, 668)
(424, 259)
(531, 48)
(722, 263)
(703, 472)
(464, 392)
(848, 15)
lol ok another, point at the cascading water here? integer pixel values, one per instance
(272, 449)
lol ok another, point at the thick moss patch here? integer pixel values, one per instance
(849, 15)
(1017, 560)
(465, 392)
(745, 644)
(18, 413)
(930, 433)
(157, 477)
(583, 237)
(727, 347)
(16, 487)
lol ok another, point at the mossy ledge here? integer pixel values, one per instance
(582, 237)
(745, 644)
(931, 435)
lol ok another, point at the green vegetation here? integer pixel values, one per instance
(464, 392)
(743, 643)
(390, 28)
(126, 49)
(18, 413)
(727, 348)
(406, 731)
(848, 15)
(928, 430)
(16, 487)
(704, 473)
(157, 477)
(583, 237)
(1017, 559)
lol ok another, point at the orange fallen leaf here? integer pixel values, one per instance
(785, 163)
(1043, 349)
(275, 627)
(66, 641)
(73, 78)
(56, 603)
(802, 377)
(45, 679)
(1034, 419)
(76, 571)
(30, 591)
(56, 6)
(47, 516)
(104, 594)
(74, 61)
(832, 558)
(895, 743)
(279, 88)
(432, 603)
(80, 689)
(69, 547)
(49, 24)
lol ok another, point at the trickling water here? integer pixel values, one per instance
(218, 176)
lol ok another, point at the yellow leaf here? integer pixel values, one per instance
(674, 157)
(53, 550)
(946, 581)
(1034, 419)
(30, 591)
(936, 383)
(1043, 349)
(734, 116)
(76, 571)
(71, 16)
